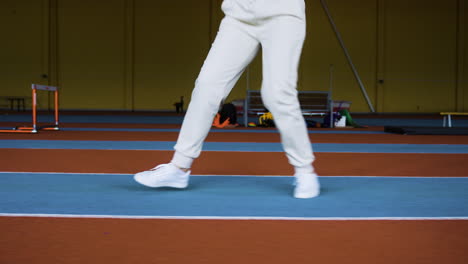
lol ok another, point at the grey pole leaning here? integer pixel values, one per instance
(348, 57)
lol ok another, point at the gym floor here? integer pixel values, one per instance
(68, 196)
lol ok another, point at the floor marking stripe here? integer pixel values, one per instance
(221, 175)
(234, 146)
(235, 218)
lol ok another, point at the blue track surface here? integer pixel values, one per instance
(225, 196)
(117, 195)
(233, 146)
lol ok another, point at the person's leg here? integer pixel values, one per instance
(282, 39)
(233, 49)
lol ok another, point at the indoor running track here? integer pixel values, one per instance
(69, 197)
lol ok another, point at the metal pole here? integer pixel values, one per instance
(56, 103)
(247, 85)
(34, 108)
(331, 70)
(348, 57)
(330, 97)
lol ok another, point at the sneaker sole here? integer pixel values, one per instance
(306, 195)
(181, 185)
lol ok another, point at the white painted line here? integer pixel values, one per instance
(237, 217)
(220, 175)
(69, 173)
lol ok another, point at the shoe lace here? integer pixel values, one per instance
(163, 175)
(159, 167)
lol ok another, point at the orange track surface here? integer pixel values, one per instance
(233, 163)
(78, 241)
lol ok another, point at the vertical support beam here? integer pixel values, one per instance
(45, 53)
(461, 52)
(45, 40)
(330, 95)
(53, 47)
(129, 60)
(53, 71)
(215, 18)
(348, 56)
(380, 56)
(210, 20)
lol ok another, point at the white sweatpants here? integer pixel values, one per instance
(235, 46)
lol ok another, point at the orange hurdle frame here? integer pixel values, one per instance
(35, 128)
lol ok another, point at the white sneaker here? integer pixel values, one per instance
(164, 175)
(307, 185)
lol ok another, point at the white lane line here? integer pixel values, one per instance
(237, 217)
(221, 175)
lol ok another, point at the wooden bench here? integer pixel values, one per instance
(447, 121)
(312, 103)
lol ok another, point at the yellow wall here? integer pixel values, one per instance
(23, 51)
(420, 55)
(170, 45)
(91, 54)
(322, 49)
(145, 54)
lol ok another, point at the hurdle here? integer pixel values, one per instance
(35, 128)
